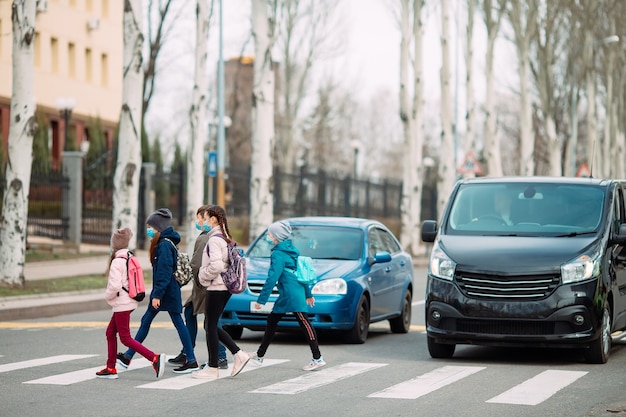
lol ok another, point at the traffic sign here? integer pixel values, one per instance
(583, 171)
(470, 165)
(211, 165)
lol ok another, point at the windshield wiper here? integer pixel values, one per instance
(572, 234)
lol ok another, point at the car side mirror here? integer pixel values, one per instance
(429, 230)
(620, 237)
(380, 257)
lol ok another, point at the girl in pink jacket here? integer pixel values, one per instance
(122, 305)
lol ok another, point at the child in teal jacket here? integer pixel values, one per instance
(294, 297)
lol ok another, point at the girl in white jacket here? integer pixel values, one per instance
(122, 306)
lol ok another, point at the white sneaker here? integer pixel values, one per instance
(256, 360)
(208, 373)
(241, 359)
(315, 364)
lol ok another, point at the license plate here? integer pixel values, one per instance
(265, 308)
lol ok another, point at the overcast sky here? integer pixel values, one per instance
(370, 62)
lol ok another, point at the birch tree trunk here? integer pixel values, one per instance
(128, 168)
(261, 192)
(22, 128)
(447, 170)
(411, 116)
(594, 150)
(470, 115)
(198, 117)
(522, 18)
(493, 155)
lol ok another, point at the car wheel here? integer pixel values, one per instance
(402, 323)
(358, 334)
(234, 331)
(598, 352)
(439, 350)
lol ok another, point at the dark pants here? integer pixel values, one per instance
(214, 306)
(305, 325)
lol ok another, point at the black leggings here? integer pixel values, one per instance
(214, 306)
(305, 325)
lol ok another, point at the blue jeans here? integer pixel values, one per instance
(191, 321)
(177, 319)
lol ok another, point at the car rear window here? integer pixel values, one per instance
(533, 209)
(318, 242)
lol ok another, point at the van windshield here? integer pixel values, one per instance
(527, 209)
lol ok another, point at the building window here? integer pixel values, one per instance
(72, 3)
(89, 5)
(37, 49)
(88, 65)
(104, 70)
(54, 55)
(105, 9)
(71, 56)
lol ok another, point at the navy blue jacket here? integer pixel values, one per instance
(164, 286)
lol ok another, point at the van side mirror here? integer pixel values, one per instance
(429, 230)
(620, 237)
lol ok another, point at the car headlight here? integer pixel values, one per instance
(440, 264)
(330, 286)
(580, 269)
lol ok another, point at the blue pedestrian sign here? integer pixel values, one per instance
(211, 165)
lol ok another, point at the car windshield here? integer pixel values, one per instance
(318, 242)
(527, 209)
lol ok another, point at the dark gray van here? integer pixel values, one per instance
(528, 261)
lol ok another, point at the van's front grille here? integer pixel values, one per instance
(497, 287)
(255, 288)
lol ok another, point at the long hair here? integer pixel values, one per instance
(153, 244)
(220, 214)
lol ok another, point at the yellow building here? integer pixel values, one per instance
(78, 57)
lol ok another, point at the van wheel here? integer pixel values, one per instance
(599, 350)
(358, 333)
(439, 350)
(234, 331)
(402, 323)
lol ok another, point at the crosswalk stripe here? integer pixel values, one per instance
(318, 378)
(41, 361)
(186, 381)
(427, 383)
(539, 388)
(82, 375)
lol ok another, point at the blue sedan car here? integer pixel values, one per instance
(363, 276)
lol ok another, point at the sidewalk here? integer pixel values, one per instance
(55, 304)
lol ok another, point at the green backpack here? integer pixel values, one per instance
(305, 271)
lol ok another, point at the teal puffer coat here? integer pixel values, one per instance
(292, 294)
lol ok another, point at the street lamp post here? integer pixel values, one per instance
(356, 146)
(65, 105)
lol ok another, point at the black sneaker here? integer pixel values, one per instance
(222, 363)
(187, 367)
(122, 360)
(178, 360)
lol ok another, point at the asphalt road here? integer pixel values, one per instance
(390, 375)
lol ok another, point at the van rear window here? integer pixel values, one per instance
(526, 208)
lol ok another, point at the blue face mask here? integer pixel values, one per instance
(150, 232)
(269, 240)
(207, 227)
(198, 226)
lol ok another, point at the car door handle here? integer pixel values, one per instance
(387, 269)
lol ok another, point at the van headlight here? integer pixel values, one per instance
(580, 269)
(440, 264)
(330, 286)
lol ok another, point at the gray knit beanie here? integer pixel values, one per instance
(281, 230)
(160, 219)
